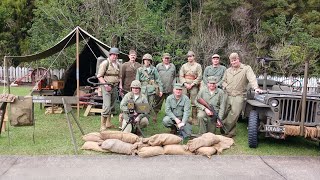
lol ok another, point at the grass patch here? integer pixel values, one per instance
(52, 136)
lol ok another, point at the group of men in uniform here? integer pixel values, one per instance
(221, 88)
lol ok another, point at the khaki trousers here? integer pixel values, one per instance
(233, 110)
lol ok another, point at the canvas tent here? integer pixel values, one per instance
(87, 59)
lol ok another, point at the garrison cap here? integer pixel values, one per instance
(212, 79)
(190, 53)
(178, 86)
(234, 56)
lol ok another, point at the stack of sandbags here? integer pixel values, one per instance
(160, 144)
(203, 145)
(119, 142)
(93, 142)
(225, 143)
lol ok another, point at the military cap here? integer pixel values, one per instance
(190, 53)
(166, 55)
(177, 86)
(234, 56)
(215, 56)
(212, 79)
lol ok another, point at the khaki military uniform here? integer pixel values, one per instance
(191, 73)
(124, 108)
(217, 72)
(235, 85)
(168, 78)
(177, 109)
(216, 100)
(111, 75)
(149, 80)
(128, 73)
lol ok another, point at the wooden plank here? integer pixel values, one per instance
(86, 113)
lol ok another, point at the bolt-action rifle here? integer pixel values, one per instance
(214, 117)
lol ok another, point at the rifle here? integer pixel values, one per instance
(132, 117)
(214, 117)
(181, 131)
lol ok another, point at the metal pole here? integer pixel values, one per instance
(78, 84)
(304, 96)
(6, 74)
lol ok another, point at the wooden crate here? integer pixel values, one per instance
(57, 84)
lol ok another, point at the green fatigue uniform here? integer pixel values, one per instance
(177, 109)
(213, 71)
(235, 83)
(168, 78)
(149, 78)
(191, 73)
(216, 100)
(124, 108)
(128, 72)
(111, 74)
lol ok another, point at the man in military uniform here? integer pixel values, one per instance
(177, 111)
(108, 73)
(234, 82)
(128, 71)
(137, 97)
(167, 72)
(215, 70)
(190, 76)
(213, 97)
(149, 77)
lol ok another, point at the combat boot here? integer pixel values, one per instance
(109, 125)
(103, 123)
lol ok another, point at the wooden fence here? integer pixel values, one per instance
(23, 74)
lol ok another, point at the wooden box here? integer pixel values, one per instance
(57, 84)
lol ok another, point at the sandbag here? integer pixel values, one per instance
(225, 143)
(94, 146)
(206, 151)
(123, 136)
(140, 144)
(117, 146)
(150, 151)
(206, 140)
(164, 139)
(94, 136)
(176, 149)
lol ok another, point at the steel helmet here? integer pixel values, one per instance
(147, 56)
(114, 50)
(136, 84)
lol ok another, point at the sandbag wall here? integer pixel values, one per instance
(130, 144)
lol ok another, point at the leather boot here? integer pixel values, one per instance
(108, 122)
(103, 123)
(194, 116)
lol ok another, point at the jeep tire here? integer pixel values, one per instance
(253, 129)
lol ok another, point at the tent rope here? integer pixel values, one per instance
(88, 45)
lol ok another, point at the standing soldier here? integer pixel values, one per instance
(148, 75)
(167, 72)
(235, 82)
(213, 97)
(137, 97)
(128, 71)
(215, 70)
(177, 111)
(190, 76)
(109, 71)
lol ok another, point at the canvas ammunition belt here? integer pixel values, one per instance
(112, 75)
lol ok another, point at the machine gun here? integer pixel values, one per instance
(214, 117)
(134, 109)
(264, 61)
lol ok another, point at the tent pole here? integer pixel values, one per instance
(6, 74)
(77, 57)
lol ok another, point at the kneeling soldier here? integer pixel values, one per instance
(177, 111)
(214, 97)
(134, 96)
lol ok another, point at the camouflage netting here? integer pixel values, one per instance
(312, 132)
(291, 130)
(130, 144)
